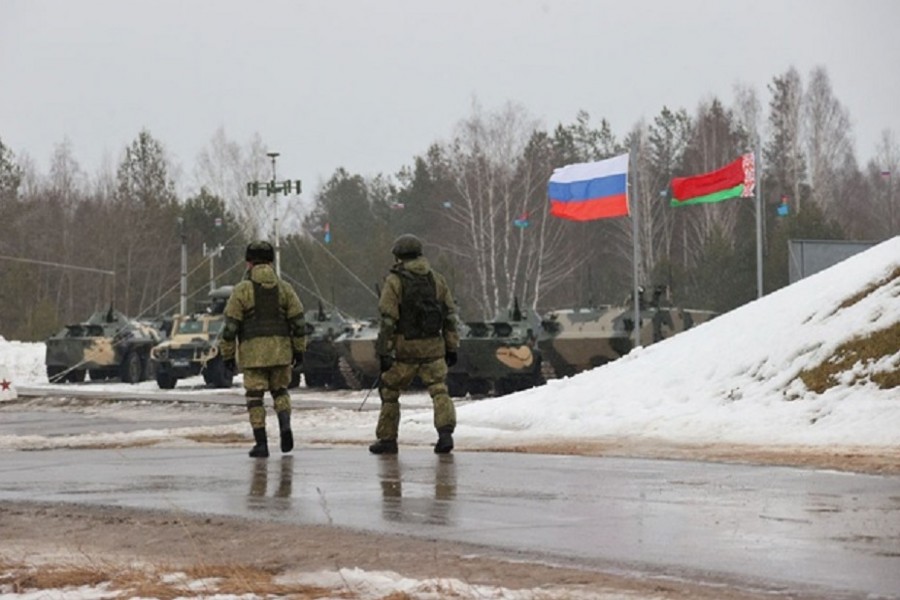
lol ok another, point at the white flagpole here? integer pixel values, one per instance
(632, 204)
(757, 175)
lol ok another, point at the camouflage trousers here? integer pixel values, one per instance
(396, 379)
(258, 381)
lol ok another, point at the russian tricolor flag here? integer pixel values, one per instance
(588, 191)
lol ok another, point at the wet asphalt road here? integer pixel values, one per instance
(792, 531)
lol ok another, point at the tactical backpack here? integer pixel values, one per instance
(421, 313)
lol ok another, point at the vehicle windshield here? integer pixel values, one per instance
(190, 326)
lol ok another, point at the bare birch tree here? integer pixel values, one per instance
(716, 140)
(225, 168)
(886, 191)
(827, 134)
(507, 240)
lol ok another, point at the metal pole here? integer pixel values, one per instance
(212, 272)
(273, 156)
(377, 379)
(183, 301)
(757, 167)
(637, 301)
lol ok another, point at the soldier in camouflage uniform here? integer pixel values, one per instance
(417, 336)
(264, 320)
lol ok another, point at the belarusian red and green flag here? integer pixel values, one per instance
(735, 180)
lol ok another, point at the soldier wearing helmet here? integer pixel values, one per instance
(264, 326)
(417, 336)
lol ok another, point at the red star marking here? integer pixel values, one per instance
(5, 384)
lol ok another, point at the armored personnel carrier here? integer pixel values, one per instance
(192, 346)
(320, 362)
(108, 345)
(497, 357)
(358, 363)
(575, 340)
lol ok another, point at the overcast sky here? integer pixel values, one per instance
(367, 85)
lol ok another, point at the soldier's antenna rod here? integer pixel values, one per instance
(377, 379)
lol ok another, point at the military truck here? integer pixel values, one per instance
(497, 357)
(192, 346)
(108, 345)
(320, 362)
(575, 340)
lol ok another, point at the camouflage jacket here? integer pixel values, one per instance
(391, 341)
(266, 351)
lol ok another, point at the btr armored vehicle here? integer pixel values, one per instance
(192, 349)
(575, 340)
(358, 363)
(320, 362)
(108, 345)
(497, 357)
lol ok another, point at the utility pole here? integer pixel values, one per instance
(273, 188)
(183, 297)
(211, 252)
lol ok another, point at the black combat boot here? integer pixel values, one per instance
(445, 441)
(384, 447)
(287, 436)
(261, 449)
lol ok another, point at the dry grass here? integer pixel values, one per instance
(155, 581)
(859, 350)
(871, 288)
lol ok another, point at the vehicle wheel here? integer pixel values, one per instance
(165, 380)
(132, 369)
(149, 368)
(76, 375)
(547, 370)
(295, 378)
(216, 374)
(348, 375)
(479, 387)
(337, 381)
(312, 380)
(504, 386)
(458, 385)
(97, 374)
(53, 374)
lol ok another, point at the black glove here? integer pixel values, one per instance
(230, 364)
(387, 361)
(451, 357)
(298, 359)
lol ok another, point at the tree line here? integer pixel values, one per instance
(73, 244)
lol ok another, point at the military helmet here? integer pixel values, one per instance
(407, 246)
(260, 252)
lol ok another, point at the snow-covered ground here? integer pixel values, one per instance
(733, 380)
